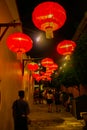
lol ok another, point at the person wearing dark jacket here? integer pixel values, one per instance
(21, 110)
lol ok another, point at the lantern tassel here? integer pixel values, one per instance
(49, 32)
(19, 56)
(67, 57)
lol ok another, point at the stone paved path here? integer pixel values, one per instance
(42, 120)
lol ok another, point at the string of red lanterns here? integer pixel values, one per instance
(51, 18)
(50, 68)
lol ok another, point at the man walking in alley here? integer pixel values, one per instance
(20, 112)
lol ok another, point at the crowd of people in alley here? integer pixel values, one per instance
(53, 96)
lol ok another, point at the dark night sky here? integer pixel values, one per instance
(75, 10)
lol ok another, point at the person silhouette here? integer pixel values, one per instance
(21, 111)
(50, 98)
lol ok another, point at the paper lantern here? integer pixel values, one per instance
(49, 71)
(38, 78)
(19, 43)
(66, 47)
(46, 62)
(33, 66)
(53, 66)
(49, 16)
(46, 78)
(43, 77)
(35, 75)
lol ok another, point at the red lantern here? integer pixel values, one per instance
(19, 43)
(42, 73)
(43, 77)
(49, 71)
(46, 62)
(33, 66)
(66, 47)
(53, 66)
(48, 78)
(35, 75)
(49, 16)
(38, 78)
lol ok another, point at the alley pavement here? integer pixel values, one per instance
(41, 119)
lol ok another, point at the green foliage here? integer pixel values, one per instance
(79, 59)
(68, 76)
(76, 70)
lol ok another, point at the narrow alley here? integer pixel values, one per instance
(42, 120)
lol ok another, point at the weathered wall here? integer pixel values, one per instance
(75, 90)
(10, 70)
